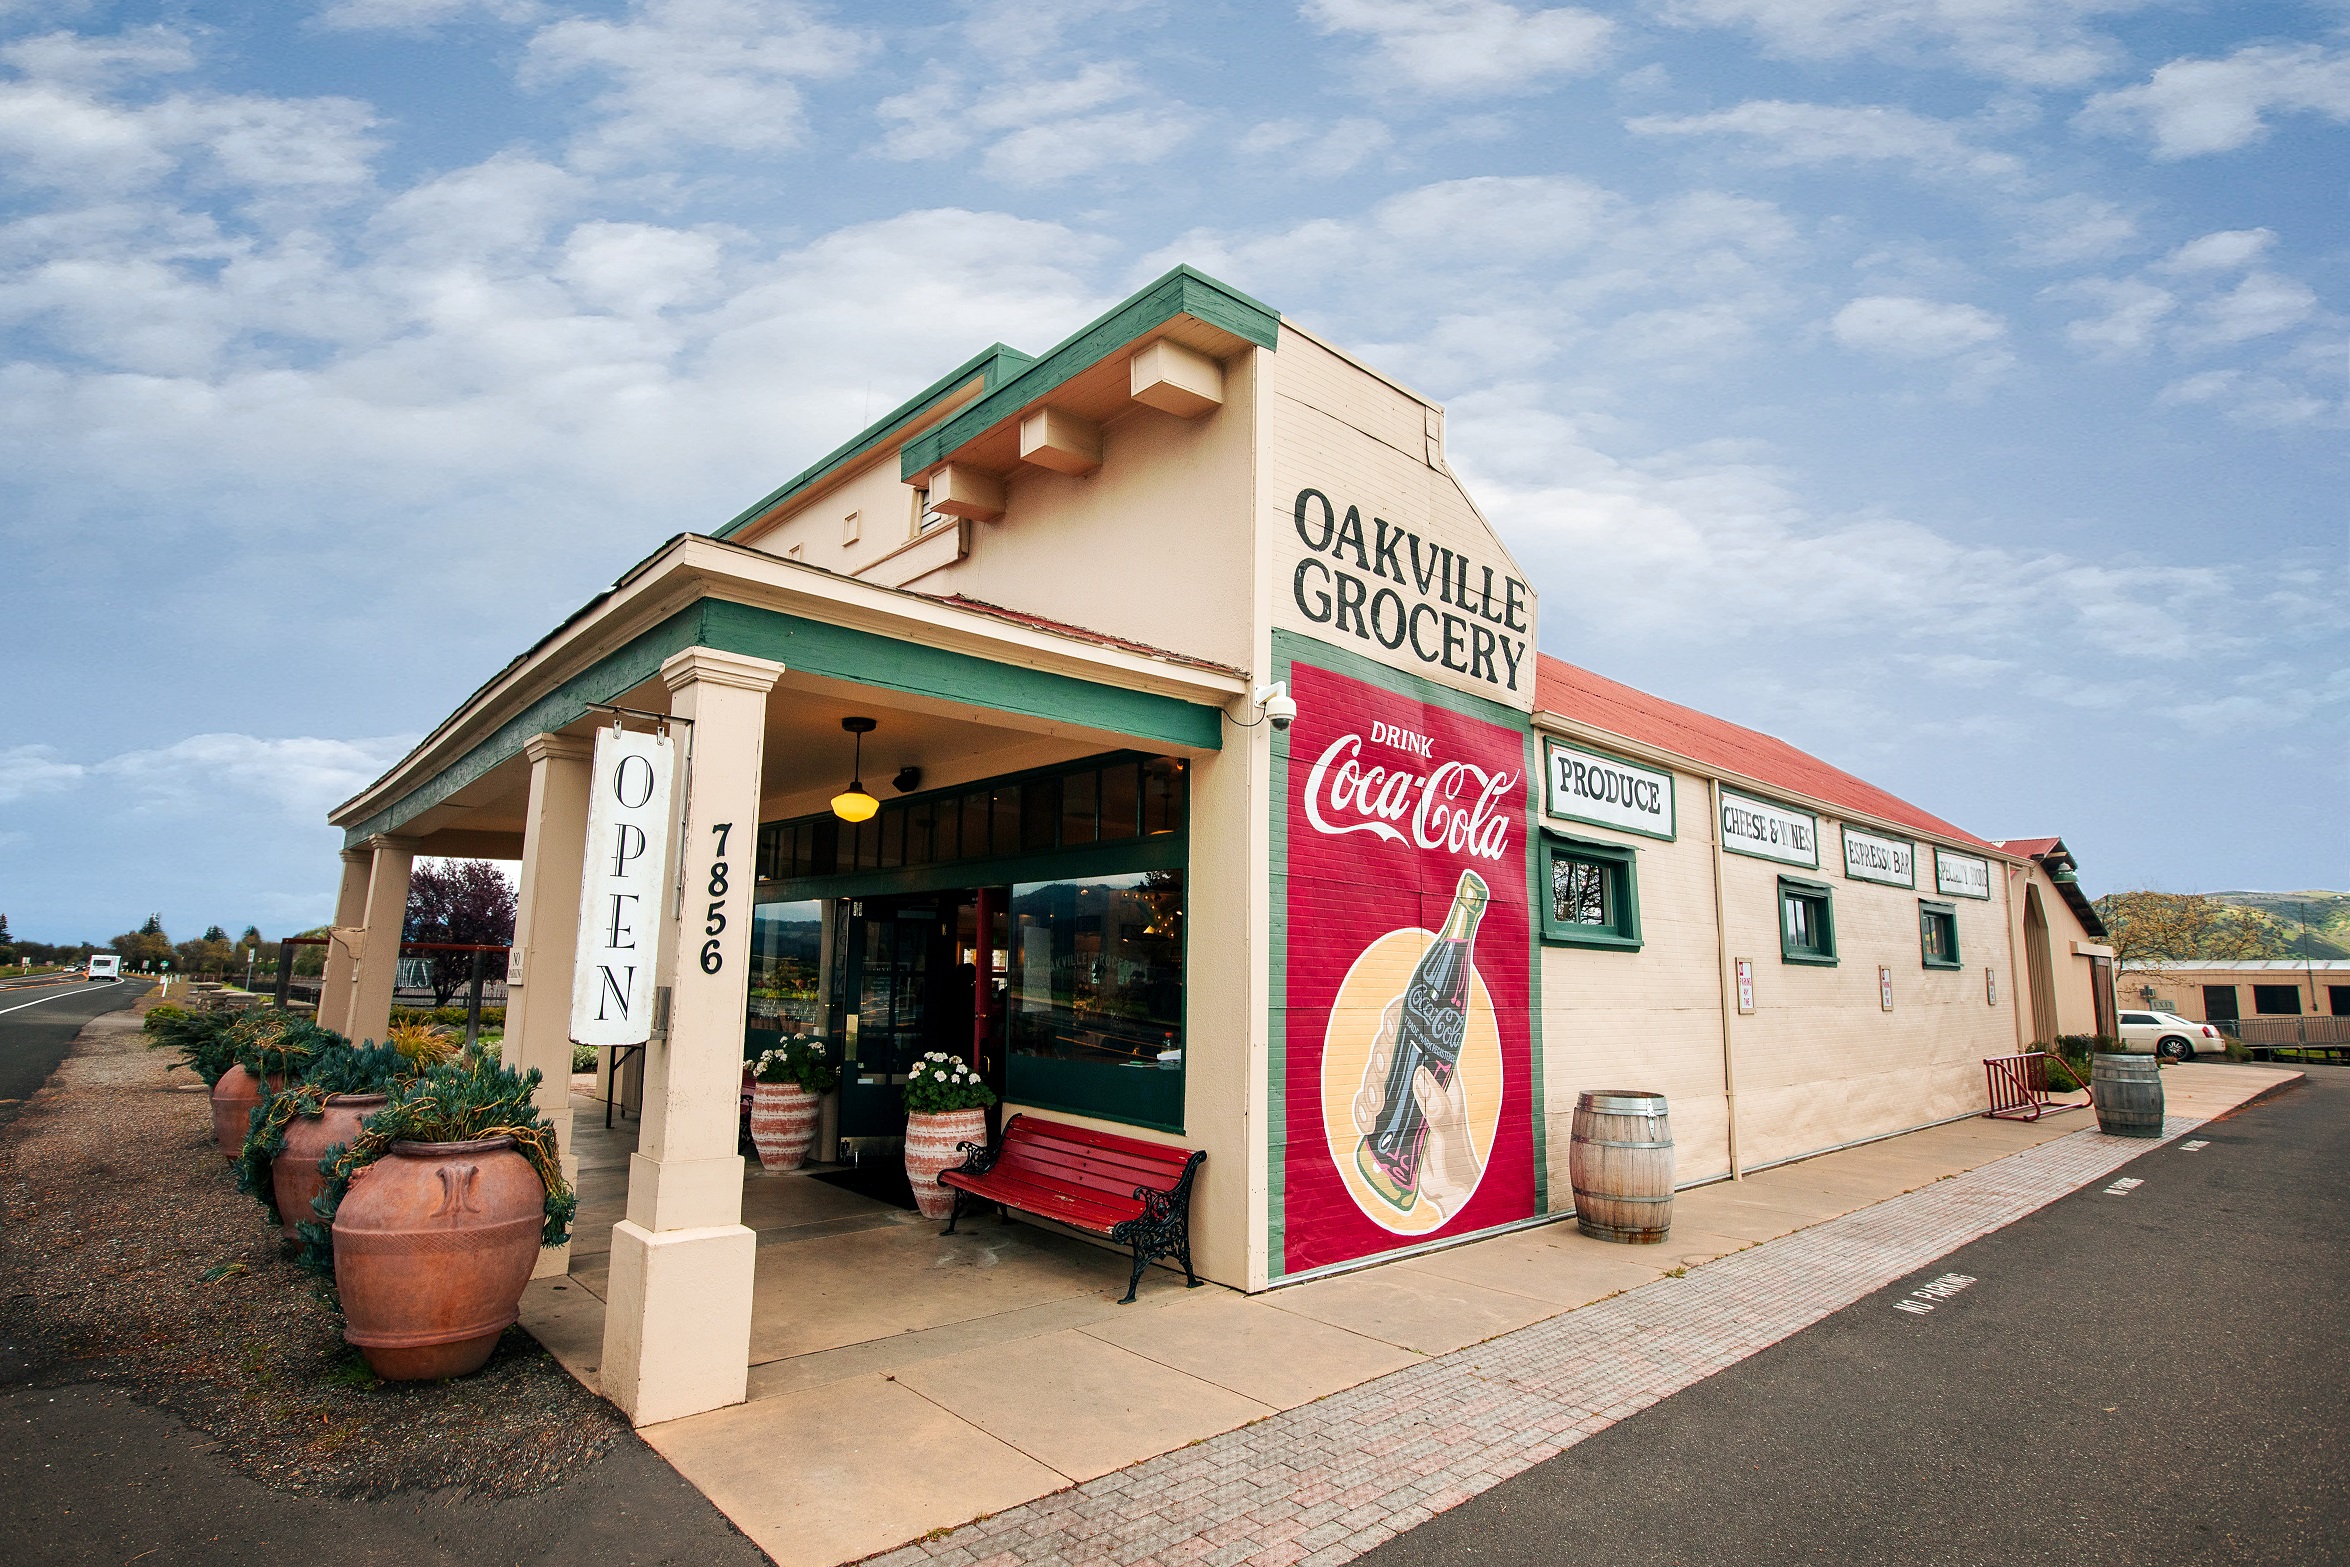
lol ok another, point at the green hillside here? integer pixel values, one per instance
(2327, 913)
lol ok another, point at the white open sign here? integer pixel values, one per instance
(621, 889)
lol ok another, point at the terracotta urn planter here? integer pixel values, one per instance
(783, 1123)
(433, 1244)
(293, 1175)
(931, 1140)
(233, 1099)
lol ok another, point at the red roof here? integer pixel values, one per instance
(1576, 693)
(2029, 848)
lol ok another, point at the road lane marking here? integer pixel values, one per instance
(85, 990)
(2123, 1187)
(1921, 1300)
(2198, 1143)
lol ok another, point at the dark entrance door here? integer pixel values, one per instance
(902, 992)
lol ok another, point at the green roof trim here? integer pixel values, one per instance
(1182, 292)
(813, 647)
(994, 365)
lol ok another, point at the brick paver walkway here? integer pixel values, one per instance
(1325, 1482)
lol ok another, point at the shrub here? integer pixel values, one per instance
(583, 1058)
(799, 1059)
(421, 1043)
(2238, 1050)
(449, 1017)
(200, 1043)
(340, 1068)
(454, 1102)
(270, 1043)
(941, 1082)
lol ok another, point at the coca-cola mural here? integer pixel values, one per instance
(1408, 1080)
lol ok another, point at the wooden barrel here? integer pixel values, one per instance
(2127, 1091)
(1621, 1166)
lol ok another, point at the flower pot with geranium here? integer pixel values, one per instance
(785, 1084)
(946, 1110)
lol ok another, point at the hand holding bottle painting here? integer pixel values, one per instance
(1411, 1109)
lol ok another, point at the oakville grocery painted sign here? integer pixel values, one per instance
(1867, 857)
(1607, 791)
(1381, 583)
(1961, 875)
(1770, 832)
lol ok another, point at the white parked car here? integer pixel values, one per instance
(2169, 1036)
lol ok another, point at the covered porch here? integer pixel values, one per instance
(702, 1273)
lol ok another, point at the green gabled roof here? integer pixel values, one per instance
(995, 365)
(1182, 292)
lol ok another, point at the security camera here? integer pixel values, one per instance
(1277, 704)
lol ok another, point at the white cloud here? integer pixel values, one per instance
(1812, 134)
(304, 776)
(2260, 305)
(1908, 328)
(1038, 131)
(2246, 397)
(688, 74)
(2190, 108)
(1467, 46)
(2040, 43)
(2067, 230)
(416, 16)
(2223, 251)
(34, 769)
(1317, 149)
(2132, 311)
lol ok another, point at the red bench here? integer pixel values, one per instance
(1133, 1193)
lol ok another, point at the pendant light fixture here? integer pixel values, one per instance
(853, 804)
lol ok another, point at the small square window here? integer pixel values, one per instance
(1807, 922)
(1938, 934)
(1590, 896)
(850, 529)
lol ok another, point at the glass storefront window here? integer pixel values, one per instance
(1094, 999)
(786, 981)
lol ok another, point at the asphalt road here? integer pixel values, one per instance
(37, 1025)
(2147, 1378)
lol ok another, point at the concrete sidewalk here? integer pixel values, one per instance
(857, 1447)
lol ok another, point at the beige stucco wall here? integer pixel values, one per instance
(1650, 1019)
(2185, 987)
(1819, 1063)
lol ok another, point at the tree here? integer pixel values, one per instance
(215, 933)
(145, 947)
(2183, 926)
(463, 901)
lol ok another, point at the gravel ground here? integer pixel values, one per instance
(128, 1258)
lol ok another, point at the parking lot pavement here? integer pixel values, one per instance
(2147, 1372)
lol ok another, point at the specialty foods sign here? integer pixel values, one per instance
(1771, 832)
(1961, 875)
(1607, 791)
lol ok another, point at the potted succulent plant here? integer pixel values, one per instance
(438, 1207)
(785, 1083)
(342, 1085)
(270, 1048)
(946, 1110)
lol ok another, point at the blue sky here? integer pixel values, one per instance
(1953, 387)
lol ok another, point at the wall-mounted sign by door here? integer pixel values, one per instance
(1885, 987)
(1745, 985)
(621, 888)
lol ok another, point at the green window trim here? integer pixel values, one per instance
(1819, 896)
(1928, 912)
(1620, 864)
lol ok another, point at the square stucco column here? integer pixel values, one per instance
(334, 988)
(677, 1318)
(377, 973)
(546, 940)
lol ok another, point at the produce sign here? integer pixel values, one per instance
(1408, 1075)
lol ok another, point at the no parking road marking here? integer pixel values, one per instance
(1921, 1300)
(2123, 1187)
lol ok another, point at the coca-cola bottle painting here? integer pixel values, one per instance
(1416, 1144)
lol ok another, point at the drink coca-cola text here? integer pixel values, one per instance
(1456, 807)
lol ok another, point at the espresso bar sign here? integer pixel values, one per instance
(1771, 832)
(1382, 583)
(620, 889)
(1961, 875)
(1868, 857)
(1589, 786)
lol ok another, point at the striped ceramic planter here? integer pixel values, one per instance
(783, 1123)
(931, 1139)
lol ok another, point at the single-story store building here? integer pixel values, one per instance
(2232, 990)
(1210, 704)
(2062, 948)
